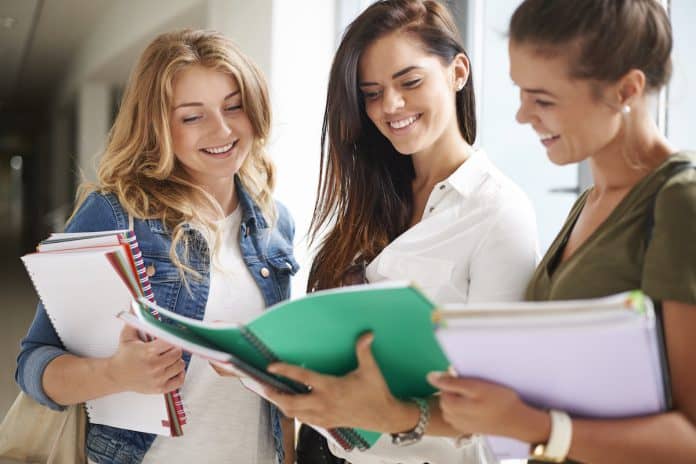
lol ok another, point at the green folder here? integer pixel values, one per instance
(319, 332)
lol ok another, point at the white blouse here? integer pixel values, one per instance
(477, 241)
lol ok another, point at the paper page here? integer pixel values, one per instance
(130, 410)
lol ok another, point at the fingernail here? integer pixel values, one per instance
(272, 369)
(434, 376)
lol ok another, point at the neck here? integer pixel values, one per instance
(624, 162)
(440, 160)
(224, 192)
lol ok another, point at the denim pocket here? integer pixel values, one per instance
(284, 266)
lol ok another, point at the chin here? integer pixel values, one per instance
(560, 159)
(407, 148)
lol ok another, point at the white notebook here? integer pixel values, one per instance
(597, 358)
(82, 295)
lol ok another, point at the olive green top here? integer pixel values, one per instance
(614, 258)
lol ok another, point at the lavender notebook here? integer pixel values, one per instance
(599, 358)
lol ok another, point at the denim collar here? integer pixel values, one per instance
(251, 214)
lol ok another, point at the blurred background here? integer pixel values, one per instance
(64, 64)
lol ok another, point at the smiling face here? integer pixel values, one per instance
(573, 118)
(409, 94)
(211, 133)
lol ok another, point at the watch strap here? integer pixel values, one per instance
(415, 434)
(558, 446)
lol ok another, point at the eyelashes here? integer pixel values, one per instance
(194, 118)
(543, 103)
(410, 84)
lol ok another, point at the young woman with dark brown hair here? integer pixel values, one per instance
(404, 195)
(588, 72)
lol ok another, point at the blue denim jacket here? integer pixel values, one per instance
(267, 253)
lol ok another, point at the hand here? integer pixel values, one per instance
(477, 406)
(359, 399)
(145, 367)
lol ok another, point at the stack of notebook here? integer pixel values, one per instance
(84, 280)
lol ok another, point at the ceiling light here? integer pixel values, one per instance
(7, 22)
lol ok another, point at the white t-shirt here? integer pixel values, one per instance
(225, 421)
(477, 241)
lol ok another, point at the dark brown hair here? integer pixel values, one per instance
(611, 36)
(364, 192)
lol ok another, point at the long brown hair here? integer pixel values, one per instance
(364, 196)
(139, 166)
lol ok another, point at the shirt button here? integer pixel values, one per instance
(150, 270)
(265, 272)
(431, 209)
(442, 187)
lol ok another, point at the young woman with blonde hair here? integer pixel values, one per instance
(185, 161)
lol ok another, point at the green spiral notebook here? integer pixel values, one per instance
(318, 332)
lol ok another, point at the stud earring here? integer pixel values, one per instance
(626, 110)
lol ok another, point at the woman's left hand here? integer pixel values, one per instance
(361, 398)
(476, 406)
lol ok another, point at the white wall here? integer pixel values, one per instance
(681, 118)
(249, 24)
(303, 47)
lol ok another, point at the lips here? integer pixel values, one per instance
(220, 150)
(548, 139)
(403, 122)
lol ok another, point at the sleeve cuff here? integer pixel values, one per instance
(31, 377)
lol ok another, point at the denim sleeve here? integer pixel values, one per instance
(42, 345)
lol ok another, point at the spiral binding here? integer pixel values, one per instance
(260, 346)
(145, 286)
(342, 439)
(354, 438)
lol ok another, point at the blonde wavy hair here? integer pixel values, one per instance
(139, 165)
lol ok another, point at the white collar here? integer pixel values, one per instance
(468, 176)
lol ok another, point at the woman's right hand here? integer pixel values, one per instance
(145, 366)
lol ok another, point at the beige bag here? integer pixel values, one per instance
(34, 433)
